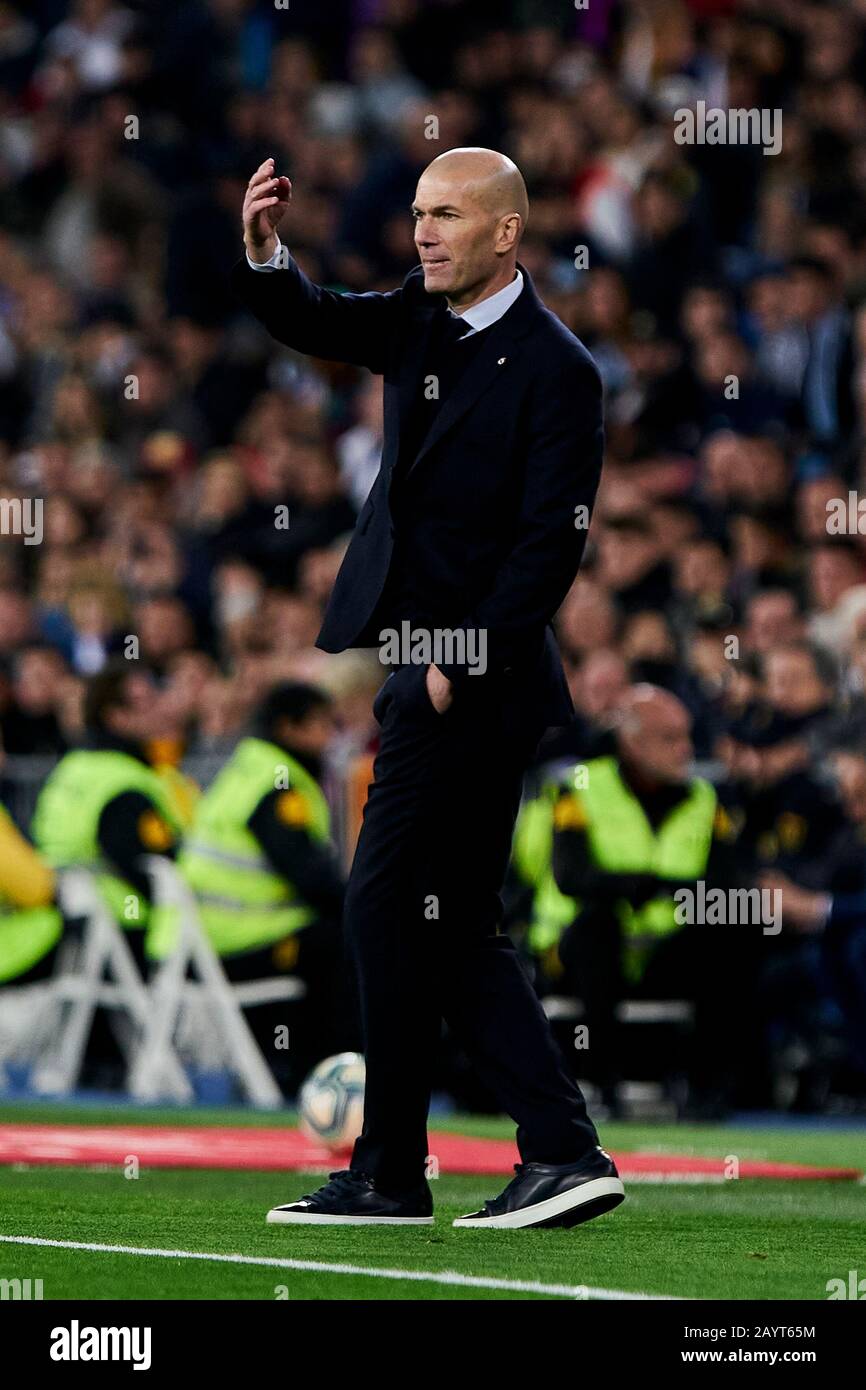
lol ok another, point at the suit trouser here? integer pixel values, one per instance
(422, 920)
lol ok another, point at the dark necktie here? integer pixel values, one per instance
(455, 328)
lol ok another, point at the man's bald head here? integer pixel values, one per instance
(654, 733)
(470, 210)
(490, 178)
(646, 706)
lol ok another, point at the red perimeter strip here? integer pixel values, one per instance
(281, 1150)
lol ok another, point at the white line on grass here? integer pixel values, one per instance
(447, 1276)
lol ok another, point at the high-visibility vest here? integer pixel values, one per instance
(66, 825)
(26, 934)
(244, 903)
(181, 791)
(532, 856)
(622, 841)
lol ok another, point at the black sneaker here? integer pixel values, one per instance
(553, 1194)
(351, 1199)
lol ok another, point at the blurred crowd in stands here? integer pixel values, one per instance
(720, 288)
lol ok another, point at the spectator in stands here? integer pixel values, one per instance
(598, 684)
(30, 722)
(827, 409)
(834, 915)
(791, 817)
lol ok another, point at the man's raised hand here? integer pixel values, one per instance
(265, 203)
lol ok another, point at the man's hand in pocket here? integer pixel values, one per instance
(439, 689)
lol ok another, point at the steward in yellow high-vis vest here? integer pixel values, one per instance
(258, 852)
(103, 807)
(30, 923)
(636, 857)
(636, 838)
(245, 896)
(269, 887)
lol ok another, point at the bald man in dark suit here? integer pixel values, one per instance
(470, 539)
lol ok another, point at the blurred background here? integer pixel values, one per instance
(127, 135)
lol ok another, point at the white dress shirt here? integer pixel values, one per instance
(479, 316)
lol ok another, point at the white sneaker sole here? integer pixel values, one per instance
(541, 1212)
(311, 1218)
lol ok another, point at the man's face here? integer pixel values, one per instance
(832, 573)
(625, 555)
(311, 735)
(807, 294)
(603, 681)
(661, 745)
(701, 569)
(793, 686)
(140, 717)
(772, 618)
(36, 681)
(456, 237)
(850, 771)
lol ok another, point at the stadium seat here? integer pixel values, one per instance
(95, 969)
(25, 1013)
(180, 1002)
(561, 1006)
(644, 1098)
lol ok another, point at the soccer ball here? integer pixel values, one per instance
(331, 1101)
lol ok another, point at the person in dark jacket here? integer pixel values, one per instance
(466, 546)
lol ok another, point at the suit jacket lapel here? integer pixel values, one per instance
(411, 379)
(495, 356)
(497, 353)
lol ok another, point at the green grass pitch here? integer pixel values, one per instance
(742, 1239)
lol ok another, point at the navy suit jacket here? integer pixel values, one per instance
(501, 488)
